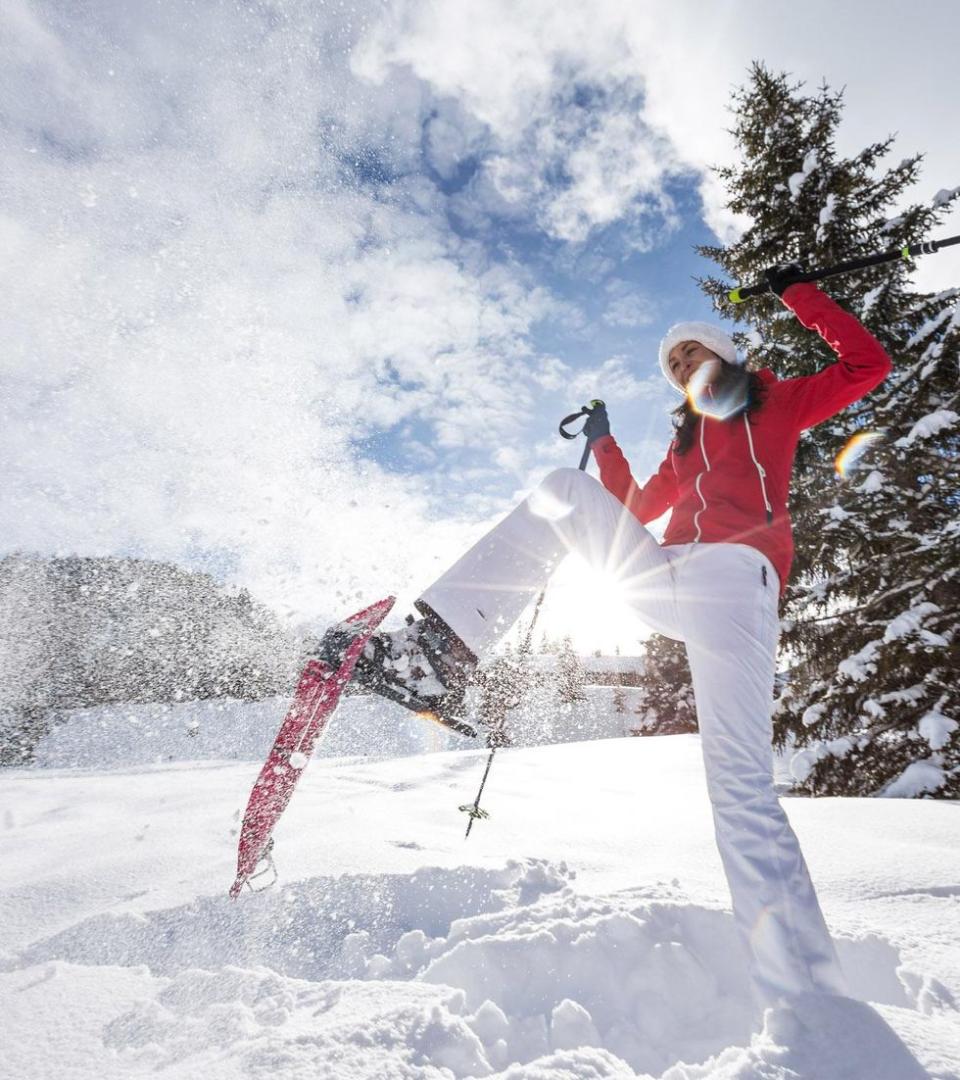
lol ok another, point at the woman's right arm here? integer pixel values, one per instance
(646, 504)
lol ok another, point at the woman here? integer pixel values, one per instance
(714, 583)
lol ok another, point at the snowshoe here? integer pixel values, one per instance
(423, 666)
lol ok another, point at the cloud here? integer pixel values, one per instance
(614, 170)
(701, 52)
(616, 379)
(452, 139)
(659, 79)
(568, 143)
(628, 307)
(210, 293)
(262, 307)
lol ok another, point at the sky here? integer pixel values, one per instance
(296, 292)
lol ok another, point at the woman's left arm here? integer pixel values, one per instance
(862, 362)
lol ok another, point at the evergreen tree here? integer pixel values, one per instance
(619, 701)
(570, 677)
(666, 693)
(871, 615)
(78, 632)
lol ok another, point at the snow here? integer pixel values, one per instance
(827, 212)
(929, 425)
(945, 195)
(796, 181)
(803, 761)
(582, 931)
(936, 729)
(223, 729)
(916, 779)
(870, 299)
(874, 482)
(860, 666)
(613, 665)
(930, 327)
(812, 714)
(911, 622)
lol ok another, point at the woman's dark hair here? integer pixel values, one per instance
(729, 381)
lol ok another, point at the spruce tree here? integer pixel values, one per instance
(870, 628)
(666, 694)
(570, 676)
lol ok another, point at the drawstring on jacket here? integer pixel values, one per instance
(761, 471)
(703, 450)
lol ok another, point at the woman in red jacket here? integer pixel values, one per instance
(714, 583)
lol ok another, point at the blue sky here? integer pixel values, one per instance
(298, 292)
(616, 303)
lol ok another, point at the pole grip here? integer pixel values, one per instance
(908, 251)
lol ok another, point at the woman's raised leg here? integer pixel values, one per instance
(483, 594)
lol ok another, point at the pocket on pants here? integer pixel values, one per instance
(724, 602)
(769, 604)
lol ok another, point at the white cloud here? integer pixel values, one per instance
(224, 266)
(512, 67)
(616, 170)
(629, 308)
(451, 137)
(204, 305)
(702, 51)
(555, 87)
(616, 379)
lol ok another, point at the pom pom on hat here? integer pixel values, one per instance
(715, 339)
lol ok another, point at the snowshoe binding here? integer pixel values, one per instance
(423, 666)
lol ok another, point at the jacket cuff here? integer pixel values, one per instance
(794, 294)
(603, 443)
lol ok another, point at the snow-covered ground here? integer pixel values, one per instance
(581, 932)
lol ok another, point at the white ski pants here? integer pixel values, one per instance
(721, 601)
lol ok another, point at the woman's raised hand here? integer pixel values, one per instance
(598, 423)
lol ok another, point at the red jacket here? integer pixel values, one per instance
(732, 485)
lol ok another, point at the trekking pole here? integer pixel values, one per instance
(907, 252)
(496, 738)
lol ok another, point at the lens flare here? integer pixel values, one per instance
(849, 457)
(706, 399)
(546, 505)
(436, 738)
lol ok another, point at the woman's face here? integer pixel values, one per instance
(684, 359)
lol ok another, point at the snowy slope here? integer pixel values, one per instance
(220, 729)
(582, 931)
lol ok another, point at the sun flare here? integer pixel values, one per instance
(587, 606)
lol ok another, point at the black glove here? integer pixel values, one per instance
(598, 423)
(782, 276)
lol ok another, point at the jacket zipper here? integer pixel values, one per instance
(760, 471)
(703, 450)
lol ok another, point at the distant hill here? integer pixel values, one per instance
(77, 632)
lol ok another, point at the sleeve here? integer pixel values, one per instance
(646, 503)
(862, 363)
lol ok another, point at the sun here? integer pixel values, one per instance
(587, 606)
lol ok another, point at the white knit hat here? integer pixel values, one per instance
(713, 337)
